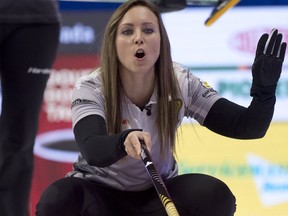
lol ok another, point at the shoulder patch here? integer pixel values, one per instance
(205, 84)
(80, 101)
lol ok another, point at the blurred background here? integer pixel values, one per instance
(222, 55)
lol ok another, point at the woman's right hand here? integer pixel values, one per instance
(133, 145)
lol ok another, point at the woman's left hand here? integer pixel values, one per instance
(270, 53)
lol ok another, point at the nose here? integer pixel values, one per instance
(138, 38)
(140, 41)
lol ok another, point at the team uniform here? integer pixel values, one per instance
(127, 174)
(29, 37)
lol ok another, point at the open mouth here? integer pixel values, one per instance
(140, 53)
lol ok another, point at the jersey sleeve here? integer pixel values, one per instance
(87, 98)
(197, 96)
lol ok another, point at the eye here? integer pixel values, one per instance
(127, 32)
(148, 30)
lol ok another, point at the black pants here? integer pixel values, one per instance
(193, 195)
(26, 52)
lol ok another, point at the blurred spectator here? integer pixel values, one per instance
(29, 37)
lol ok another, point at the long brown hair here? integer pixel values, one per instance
(167, 85)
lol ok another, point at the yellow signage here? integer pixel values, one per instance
(255, 170)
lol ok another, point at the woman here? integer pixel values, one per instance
(139, 94)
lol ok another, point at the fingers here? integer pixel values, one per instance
(133, 145)
(282, 51)
(261, 45)
(277, 45)
(269, 46)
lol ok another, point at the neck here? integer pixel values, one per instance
(139, 88)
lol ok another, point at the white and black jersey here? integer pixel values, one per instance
(195, 100)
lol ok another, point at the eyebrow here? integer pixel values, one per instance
(143, 24)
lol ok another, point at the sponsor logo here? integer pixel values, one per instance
(77, 34)
(205, 84)
(34, 70)
(207, 93)
(125, 124)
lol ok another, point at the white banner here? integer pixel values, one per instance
(230, 41)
